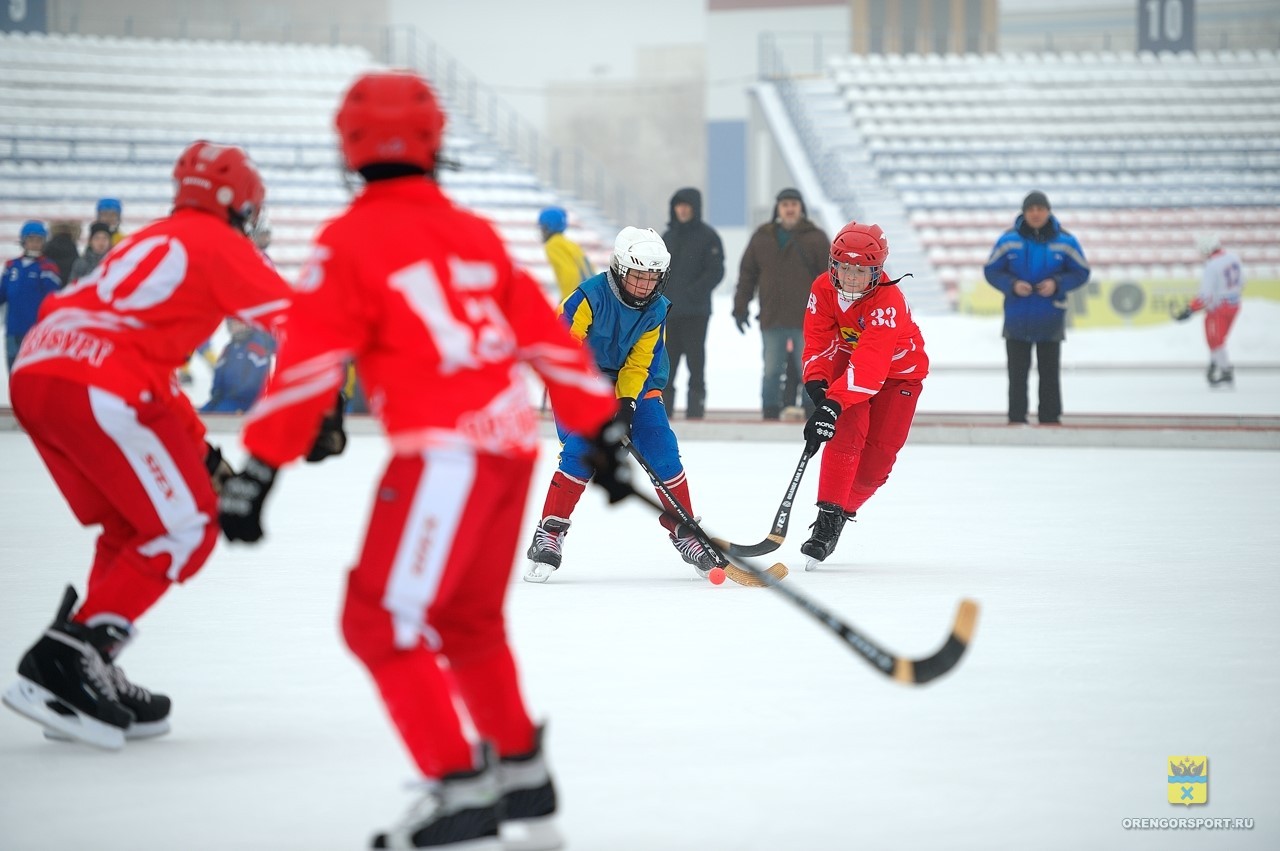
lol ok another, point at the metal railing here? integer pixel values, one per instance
(571, 171)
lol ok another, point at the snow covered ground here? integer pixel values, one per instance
(1129, 601)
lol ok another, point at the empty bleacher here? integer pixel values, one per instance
(83, 117)
(1137, 152)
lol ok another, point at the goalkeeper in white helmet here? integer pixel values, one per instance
(621, 314)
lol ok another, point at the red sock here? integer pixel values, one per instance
(116, 588)
(417, 696)
(679, 487)
(562, 496)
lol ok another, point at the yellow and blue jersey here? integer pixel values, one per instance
(629, 344)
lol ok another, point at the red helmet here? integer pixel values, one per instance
(390, 117)
(220, 179)
(859, 245)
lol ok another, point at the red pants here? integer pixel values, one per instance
(1217, 324)
(428, 593)
(857, 461)
(135, 469)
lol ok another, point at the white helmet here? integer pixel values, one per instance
(641, 249)
(1207, 243)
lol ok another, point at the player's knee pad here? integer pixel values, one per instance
(465, 639)
(367, 629)
(178, 553)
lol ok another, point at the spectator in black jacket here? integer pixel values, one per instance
(63, 249)
(697, 265)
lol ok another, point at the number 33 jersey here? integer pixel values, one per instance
(856, 345)
(424, 298)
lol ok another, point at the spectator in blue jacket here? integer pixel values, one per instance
(26, 282)
(241, 370)
(1035, 265)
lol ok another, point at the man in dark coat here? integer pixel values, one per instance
(780, 263)
(697, 265)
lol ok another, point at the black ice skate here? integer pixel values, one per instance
(150, 710)
(692, 551)
(460, 811)
(544, 552)
(528, 802)
(1221, 377)
(826, 534)
(64, 684)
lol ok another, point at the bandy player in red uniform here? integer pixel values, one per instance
(94, 388)
(864, 363)
(438, 320)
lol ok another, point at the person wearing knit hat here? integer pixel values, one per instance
(94, 250)
(1035, 199)
(783, 257)
(1035, 264)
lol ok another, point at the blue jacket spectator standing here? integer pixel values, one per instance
(1035, 265)
(26, 282)
(241, 370)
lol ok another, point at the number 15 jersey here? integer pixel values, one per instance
(423, 296)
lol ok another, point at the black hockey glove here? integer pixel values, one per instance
(626, 413)
(821, 427)
(332, 439)
(817, 390)
(742, 321)
(608, 455)
(219, 469)
(240, 504)
(1182, 315)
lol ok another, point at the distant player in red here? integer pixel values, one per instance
(1221, 287)
(94, 387)
(423, 296)
(864, 362)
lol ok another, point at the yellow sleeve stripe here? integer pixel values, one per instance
(582, 316)
(635, 371)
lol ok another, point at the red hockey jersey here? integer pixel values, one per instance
(857, 345)
(424, 298)
(152, 300)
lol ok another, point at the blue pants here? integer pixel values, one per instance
(775, 366)
(650, 432)
(12, 342)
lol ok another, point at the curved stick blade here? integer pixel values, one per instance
(920, 671)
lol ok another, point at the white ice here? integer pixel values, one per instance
(1129, 614)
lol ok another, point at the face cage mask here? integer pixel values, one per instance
(873, 280)
(620, 287)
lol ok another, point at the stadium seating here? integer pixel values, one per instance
(83, 117)
(1137, 152)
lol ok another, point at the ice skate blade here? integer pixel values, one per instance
(136, 731)
(487, 843)
(538, 572)
(36, 702)
(810, 564)
(531, 834)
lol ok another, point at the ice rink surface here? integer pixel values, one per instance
(1129, 614)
